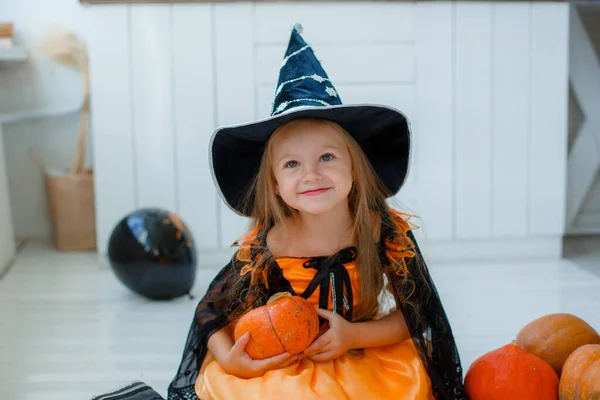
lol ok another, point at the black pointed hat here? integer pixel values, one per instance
(304, 90)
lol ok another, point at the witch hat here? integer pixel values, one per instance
(305, 91)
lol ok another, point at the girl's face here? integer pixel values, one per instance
(312, 167)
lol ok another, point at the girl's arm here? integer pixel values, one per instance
(234, 360)
(388, 330)
(343, 335)
(220, 344)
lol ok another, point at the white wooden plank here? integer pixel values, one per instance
(396, 95)
(234, 46)
(589, 217)
(548, 136)
(407, 199)
(593, 202)
(588, 220)
(584, 72)
(7, 236)
(111, 121)
(362, 23)
(15, 53)
(582, 167)
(387, 63)
(153, 105)
(434, 33)
(510, 68)
(582, 228)
(584, 68)
(473, 120)
(194, 113)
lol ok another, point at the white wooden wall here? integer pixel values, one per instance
(7, 240)
(588, 219)
(485, 85)
(583, 200)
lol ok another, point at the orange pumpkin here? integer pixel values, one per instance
(581, 374)
(285, 324)
(554, 337)
(589, 384)
(510, 372)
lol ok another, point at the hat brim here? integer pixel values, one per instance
(383, 133)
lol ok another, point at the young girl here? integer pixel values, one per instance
(314, 178)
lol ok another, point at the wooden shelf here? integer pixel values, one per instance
(13, 54)
(22, 115)
(292, 1)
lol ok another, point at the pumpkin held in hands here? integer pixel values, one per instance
(581, 374)
(285, 324)
(510, 372)
(554, 337)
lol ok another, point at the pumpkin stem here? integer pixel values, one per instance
(278, 296)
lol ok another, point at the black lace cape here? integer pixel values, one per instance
(425, 317)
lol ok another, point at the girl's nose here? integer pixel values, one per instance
(311, 174)
(312, 177)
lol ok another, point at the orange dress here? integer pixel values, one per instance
(389, 372)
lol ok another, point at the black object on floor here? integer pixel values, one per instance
(152, 252)
(133, 391)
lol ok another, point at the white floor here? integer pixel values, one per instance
(70, 330)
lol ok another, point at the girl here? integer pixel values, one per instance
(314, 178)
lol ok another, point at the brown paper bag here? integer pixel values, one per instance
(72, 211)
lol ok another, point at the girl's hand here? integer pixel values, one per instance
(336, 341)
(237, 362)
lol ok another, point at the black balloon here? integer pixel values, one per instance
(152, 252)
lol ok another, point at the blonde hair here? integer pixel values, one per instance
(367, 202)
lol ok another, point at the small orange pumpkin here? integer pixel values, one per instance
(510, 372)
(554, 337)
(581, 374)
(589, 384)
(285, 324)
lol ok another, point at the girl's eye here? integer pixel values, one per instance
(291, 164)
(326, 157)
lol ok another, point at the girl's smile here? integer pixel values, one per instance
(315, 192)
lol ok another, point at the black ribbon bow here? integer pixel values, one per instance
(331, 271)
